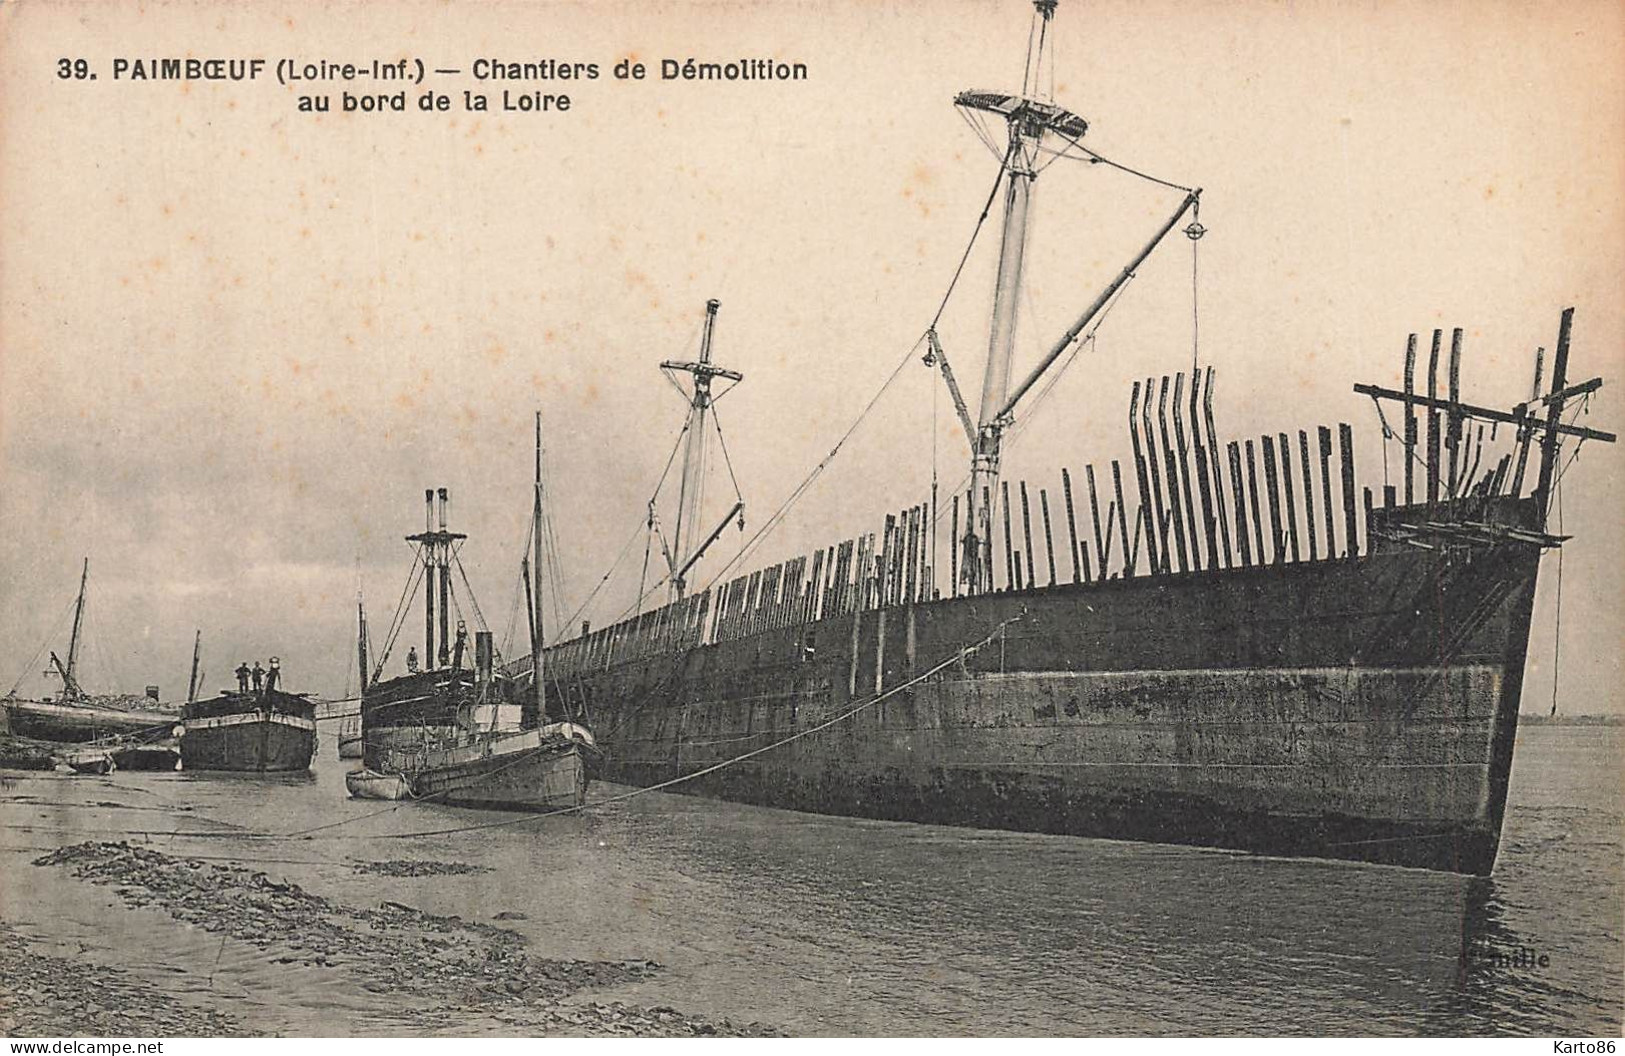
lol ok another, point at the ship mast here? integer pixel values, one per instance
(437, 555)
(1029, 118)
(70, 683)
(536, 636)
(197, 652)
(685, 552)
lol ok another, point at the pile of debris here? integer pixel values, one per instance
(418, 867)
(443, 963)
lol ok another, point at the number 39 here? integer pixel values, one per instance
(73, 69)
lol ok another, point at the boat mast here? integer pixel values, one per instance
(683, 553)
(70, 684)
(535, 599)
(361, 645)
(197, 652)
(1027, 119)
(428, 580)
(437, 554)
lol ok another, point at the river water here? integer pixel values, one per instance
(822, 925)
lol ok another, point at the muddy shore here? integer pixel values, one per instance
(440, 968)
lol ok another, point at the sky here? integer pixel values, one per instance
(238, 341)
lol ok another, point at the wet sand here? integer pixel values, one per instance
(436, 971)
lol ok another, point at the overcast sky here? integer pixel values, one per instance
(236, 341)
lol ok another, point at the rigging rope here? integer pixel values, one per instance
(1095, 157)
(44, 645)
(1557, 623)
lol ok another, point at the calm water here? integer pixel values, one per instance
(834, 926)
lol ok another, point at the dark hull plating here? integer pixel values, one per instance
(1353, 708)
(262, 746)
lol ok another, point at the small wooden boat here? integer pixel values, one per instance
(349, 738)
(91, 761)
(547, 768)
(148, 757)
(370, 784)
(262, 731)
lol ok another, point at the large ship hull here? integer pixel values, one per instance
(249, 743)
(76, 723)
(1358, 708)
(267, 732)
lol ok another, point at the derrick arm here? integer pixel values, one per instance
(699, 551)
(941, 359)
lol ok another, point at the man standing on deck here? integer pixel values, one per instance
(242, 677)
(259, 676)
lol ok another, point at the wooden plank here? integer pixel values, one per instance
(888, 548)
(1291, 500)
(1272, 484)
(1122, 520)
(1204, 482)
(1308, 493)
(1326, 490)
(1140, 467)
(1157, 512)
(1452, 436)
(1487, 414)
(1009, 545)
(1049, 540)
(1170, 458)
(1554, 417)
(1102, 542)
(1410, 424)
(911, 559)
(1218, 474)
(1521, 450)
(1256, 513)
(1433, 420)
(1370, 520)
(1242, 541)
(1345, 438)
(1071, 526)
(1027, 533)
(1182, 450)
(1139, 522)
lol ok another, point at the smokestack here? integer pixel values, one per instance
(445, 586)
(484, 651)
(428, 585)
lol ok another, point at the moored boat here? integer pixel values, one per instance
(259, 731)
(76, 716)
(444, 733)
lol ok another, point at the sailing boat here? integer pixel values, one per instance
(435, 733)
(1340, 684)
(76, 716)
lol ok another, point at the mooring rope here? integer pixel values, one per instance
(958, 656)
